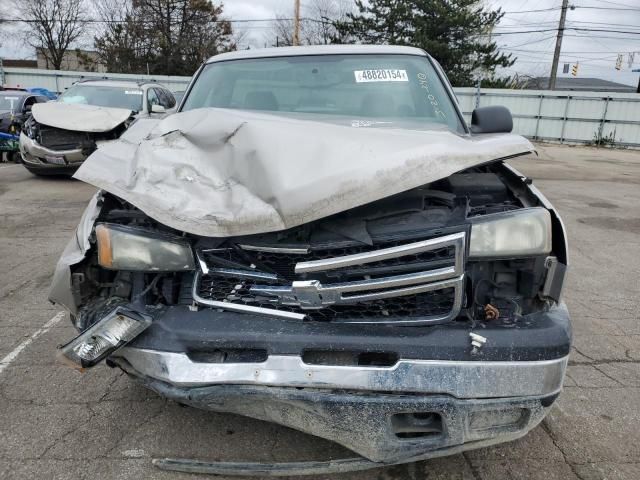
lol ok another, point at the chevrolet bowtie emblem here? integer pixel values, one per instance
(307, 293)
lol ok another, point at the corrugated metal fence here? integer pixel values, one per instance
(558, 116)
(564, 116)
(59, 80)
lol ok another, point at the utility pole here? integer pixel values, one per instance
(556, 53)
(296, 23)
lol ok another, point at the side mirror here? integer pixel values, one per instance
(493, 119)
(157, 109)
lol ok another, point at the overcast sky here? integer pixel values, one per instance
(596, 51)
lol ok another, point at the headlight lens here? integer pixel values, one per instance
(129, 248)
(519, 233)
(100, 340)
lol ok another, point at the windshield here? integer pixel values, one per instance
(10, 102)
(117, 97)
(391, 87)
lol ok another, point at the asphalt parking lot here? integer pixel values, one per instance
(56, 423)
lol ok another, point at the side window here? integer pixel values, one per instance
(169, 98)
(28, 103)
(41, 99)
(162, 98)
(152, 98)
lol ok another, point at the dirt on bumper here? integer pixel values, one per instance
(383, 428)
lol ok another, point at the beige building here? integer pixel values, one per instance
(75, 60)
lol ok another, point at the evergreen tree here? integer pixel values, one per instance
(455, 32)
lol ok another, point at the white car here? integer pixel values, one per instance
(60, 135)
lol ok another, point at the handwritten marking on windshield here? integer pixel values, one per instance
(424, 83)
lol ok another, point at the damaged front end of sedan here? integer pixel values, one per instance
(402, 300)
(57, 137)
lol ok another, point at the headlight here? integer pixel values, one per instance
(100, 340)
(129, 248)
(511, 234)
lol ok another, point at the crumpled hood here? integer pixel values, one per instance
(79, 117)
(218, 173)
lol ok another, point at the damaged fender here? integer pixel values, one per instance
(75, 251)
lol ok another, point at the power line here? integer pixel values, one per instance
(252, 20)
(564, 53)
(616, 3)
(548, 37)
(578, 29)
(91, 20)
(607, 8)
(531, 11)
(592, 37)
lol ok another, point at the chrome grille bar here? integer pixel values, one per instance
(297, 293)
(291, 251)
(456, 240)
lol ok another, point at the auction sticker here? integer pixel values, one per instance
(381, 75)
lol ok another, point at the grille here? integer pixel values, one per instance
(431, 304)
(419, 282)
(58, 139)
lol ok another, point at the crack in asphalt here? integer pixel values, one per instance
(572, 466)
(131, 427)
(475, 471)
(66, 434)
(584, 355)
(610, 361)
(609, 376)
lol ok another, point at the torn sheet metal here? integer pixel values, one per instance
(75, 251)
(79, 117)
(219, 173)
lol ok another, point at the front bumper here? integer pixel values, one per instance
(35, 156)
(383, 428)
(472, 379)
(383, 413)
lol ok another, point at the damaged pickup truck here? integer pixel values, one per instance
(318, 239)
(58, 136)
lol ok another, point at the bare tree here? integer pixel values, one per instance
(170, 37)
(281, 34)
(53, 26)
(317, 26)
(320, 16)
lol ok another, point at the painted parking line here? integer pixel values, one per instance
(9, 166)
(6, 361)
